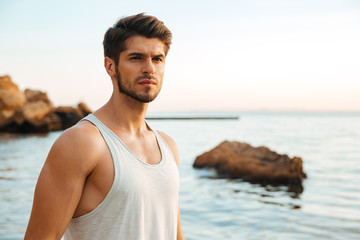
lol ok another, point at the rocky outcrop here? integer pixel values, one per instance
(11, 99)
(254, 164)
(32, 110)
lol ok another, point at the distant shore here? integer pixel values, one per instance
(194, 118)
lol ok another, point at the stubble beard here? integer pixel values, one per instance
(144, 98)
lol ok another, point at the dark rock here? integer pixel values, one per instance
(69, 115)
(254, 164)
(84, 108)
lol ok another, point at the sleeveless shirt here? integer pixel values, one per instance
(142, 203)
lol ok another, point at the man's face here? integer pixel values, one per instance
(141, 68)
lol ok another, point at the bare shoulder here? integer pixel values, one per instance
(83, 133)
(78, 146)
(172, 144)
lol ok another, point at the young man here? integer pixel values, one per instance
(111, 176)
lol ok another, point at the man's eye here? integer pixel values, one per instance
(158, 59)
(135, 58)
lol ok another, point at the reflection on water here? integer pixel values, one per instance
(5, 137)
(5, 178)
(265, 193)
(293, 190)
(6, 169)
(326, 206)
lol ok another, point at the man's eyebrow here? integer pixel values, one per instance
(136, 54)
(159, 55)
(141, 54)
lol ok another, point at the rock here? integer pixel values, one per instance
(32, 111)
(36, 95)
(84, 108)
(254, 164)
(69, 115)
(11, 98)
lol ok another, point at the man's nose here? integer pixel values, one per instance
(148, 67)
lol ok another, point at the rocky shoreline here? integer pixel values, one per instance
(31, 111)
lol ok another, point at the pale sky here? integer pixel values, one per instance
(226, 55)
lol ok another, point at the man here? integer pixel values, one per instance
(111, 176)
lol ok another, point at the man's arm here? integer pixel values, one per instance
(60, 184)
(172, 144)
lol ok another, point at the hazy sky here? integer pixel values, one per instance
(226, 55)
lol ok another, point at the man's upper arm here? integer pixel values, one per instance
(60, 185)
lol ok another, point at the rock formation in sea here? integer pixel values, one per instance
(32, 111)
(254, 164)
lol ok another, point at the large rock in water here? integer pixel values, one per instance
(254, 164)
(32, 110)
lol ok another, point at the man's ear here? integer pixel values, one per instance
(109, 65)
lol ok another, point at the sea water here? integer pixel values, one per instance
(326, 207)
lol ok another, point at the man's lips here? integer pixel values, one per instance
(147, 82)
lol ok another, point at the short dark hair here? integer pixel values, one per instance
(136, 25)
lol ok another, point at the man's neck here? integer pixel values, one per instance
(124, 113)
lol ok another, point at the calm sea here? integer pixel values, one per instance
(328, 207)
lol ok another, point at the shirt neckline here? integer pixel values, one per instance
(129, 150)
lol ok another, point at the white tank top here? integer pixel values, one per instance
(142, 203)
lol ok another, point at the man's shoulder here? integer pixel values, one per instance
(80, 144)
(82, 133)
